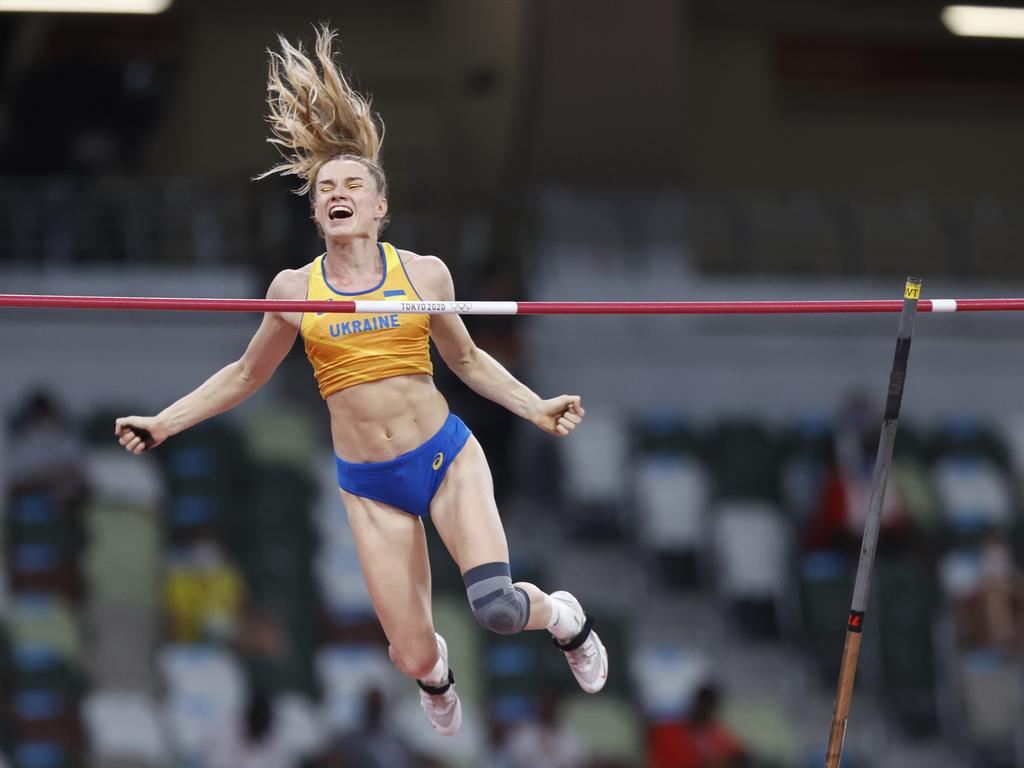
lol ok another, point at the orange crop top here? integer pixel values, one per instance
(350, 349)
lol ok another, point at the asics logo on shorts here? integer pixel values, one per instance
(438, 461)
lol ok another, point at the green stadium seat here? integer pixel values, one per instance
(826, 584)
(122, 560)
(46, 622)
(609, 725)
(906, 596)
(281, 434)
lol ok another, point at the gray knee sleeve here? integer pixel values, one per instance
(496, 604)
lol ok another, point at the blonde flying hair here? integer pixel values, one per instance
(317, 116)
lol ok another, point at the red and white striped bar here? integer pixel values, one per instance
(509, 307)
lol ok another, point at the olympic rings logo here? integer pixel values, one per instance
(462, 306)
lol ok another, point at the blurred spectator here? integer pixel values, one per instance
(838, 522)
(203, 594)
(260, 635)
(545, 741)
(699, 741)
(374, 744)
(991, 615)
(43, 452)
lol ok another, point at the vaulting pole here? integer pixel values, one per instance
(855, 622)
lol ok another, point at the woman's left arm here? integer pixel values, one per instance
(481, 372)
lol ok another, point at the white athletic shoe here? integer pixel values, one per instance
(442, 705)
(585, 653)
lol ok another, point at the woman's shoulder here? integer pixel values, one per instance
(417, 263)
(290, 283)
(428, 273)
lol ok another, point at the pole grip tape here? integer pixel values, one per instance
(898, 378)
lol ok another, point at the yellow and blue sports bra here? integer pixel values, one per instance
(345, 350)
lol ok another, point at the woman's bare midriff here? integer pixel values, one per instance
(381, 420)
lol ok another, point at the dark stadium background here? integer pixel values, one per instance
(166, 610)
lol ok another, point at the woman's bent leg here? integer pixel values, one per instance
(466, 516)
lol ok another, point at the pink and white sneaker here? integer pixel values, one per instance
(585, 653)
(441, 703)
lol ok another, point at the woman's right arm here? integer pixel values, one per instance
(229, 386)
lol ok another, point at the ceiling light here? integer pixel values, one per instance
(984, 21)
(85, 6)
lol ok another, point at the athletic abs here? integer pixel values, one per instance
(381, 420)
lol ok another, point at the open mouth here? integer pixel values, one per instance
(336, 212)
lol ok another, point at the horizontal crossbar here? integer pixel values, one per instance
(509, 307)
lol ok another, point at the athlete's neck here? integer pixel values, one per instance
(352, 262)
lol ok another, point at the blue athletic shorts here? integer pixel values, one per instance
(409, 481)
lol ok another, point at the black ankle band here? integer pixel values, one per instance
(439, 689)
(581, 638)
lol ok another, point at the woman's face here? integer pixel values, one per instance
(346, 204)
